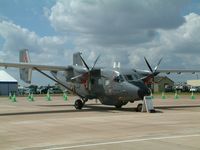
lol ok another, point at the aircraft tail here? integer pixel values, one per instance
(25, 73)
(77, 59)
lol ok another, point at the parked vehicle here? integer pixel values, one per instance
(43, 89)
(22, 90)
(55, 90)
(169, 88)
(193, 89)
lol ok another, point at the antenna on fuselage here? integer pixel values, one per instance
(116, 65)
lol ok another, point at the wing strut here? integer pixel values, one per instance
(48, 76)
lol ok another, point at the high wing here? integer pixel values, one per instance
(179, 71)
(25, 67)
(146, 75)
(35, 66)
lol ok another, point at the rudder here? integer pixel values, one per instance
(77, 59)
(25, 73)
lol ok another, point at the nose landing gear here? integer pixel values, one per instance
(139, 108)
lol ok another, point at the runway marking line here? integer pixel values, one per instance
(123, 141)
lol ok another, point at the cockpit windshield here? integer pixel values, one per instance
(118, 78)
(131, 77)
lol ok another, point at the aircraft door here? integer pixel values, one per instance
(96, 85)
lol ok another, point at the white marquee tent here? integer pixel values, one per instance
(7, 83)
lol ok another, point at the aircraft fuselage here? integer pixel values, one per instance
(111, 86)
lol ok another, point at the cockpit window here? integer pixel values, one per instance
(131, 77)
(118, 78)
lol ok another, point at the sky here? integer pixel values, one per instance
(118, 30)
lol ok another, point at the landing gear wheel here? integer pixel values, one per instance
(78, 104)
(118, 106)
(139, 108)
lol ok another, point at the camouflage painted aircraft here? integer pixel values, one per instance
(112, 86)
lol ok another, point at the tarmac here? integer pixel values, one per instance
(56, 125)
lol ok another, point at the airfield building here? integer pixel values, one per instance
(161, 83)
(7, 83)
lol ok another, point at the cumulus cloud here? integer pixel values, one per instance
(178, 46)
(42, 48)
(183, 42)
(124, 31)
(116, 22)
(186, 38)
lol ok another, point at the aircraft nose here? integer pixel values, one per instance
(143, 92)
(142, 89)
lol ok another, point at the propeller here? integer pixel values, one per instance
(148, 64)
(155, 69)
(87, 65)
(153, 72)
(95, 62)
(88, 73)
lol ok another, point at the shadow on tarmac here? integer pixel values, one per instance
(91, 107)
(86, 108)
(170, 107)
(61, 105)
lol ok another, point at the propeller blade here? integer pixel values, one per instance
(84, 63)
(158, 64)
(148, 65)
(95, 62)
(78, 76)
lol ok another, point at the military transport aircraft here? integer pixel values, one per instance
(112, 86)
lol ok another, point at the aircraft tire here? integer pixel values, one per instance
(118, 106)
(139, 108)
(78, 104)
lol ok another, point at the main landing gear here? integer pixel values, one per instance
(79, 103)
(139, 107)
(120, 104)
